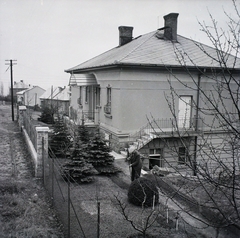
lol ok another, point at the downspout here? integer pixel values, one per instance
(196, 126)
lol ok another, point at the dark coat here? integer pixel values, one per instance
(136, 164)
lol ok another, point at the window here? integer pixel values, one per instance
(107, 107)
(182, 155)
(155, 158)
(109, 95)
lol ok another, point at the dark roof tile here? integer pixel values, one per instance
(152, 49)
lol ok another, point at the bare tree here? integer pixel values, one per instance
(1, 89)
(141, 223)
(211, 137)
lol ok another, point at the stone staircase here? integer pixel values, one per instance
(139, 143)
(164, 126)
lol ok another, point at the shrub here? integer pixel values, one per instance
(142, 192)
(47, 115)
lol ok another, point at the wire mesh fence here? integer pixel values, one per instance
(81, 208)
(60, 190)
(93, 211)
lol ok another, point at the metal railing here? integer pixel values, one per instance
(167, 125)
(86, 116)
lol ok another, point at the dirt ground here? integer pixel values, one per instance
(24, 207)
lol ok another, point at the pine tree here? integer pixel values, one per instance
(60, 140)
(47, 115)
(99, 152)
(80, 144)
(90, 156)
(78, 170)
(99, 156)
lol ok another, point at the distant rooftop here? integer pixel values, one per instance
(21, 84)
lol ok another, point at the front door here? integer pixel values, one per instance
(92, 102)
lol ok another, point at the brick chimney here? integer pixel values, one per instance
(170, 26)
(125, 34)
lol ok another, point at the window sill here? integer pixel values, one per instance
(182, 165)
(108, 115)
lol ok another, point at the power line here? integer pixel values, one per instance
(11, 73)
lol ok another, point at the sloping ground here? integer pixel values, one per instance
(190, 193)
(24, 207)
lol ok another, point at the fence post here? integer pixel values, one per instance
(43, 159)
(69, 203)
(98, 220)
(21, 111)
(42, 135)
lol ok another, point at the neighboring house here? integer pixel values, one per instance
(56, 98)
(125, 88)
(18, 87)
(30, 96)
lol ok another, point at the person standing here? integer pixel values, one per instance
(135, 165)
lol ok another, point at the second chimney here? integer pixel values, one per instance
(125, 34)
(170, 26)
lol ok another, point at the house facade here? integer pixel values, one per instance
(30, 97)
(18, 87)
(56, 98)
(145, 94)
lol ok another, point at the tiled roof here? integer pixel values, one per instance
(152, 50)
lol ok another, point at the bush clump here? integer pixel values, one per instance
(144, 192)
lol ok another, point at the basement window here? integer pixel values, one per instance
(182, 155)
(155, 158)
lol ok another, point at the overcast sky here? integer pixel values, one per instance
(47, 37)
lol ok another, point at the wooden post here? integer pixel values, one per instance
(98, 220)
(69, 203)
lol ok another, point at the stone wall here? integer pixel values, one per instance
(38, 148)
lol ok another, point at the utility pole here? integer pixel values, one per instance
(11, 72)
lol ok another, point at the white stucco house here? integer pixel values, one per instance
(148, 92)
(30, 96)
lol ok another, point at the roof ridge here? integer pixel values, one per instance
(154, 32)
